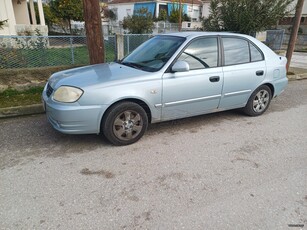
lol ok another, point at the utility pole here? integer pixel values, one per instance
(180, 14)
(294, 31)
(93, 28)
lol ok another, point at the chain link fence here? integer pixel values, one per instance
(43, 51)
(166, 27)
(40, 51)
(274, 39)
(132, 41)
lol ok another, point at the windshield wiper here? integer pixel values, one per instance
(133, 65)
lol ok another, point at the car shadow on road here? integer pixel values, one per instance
(32, 136)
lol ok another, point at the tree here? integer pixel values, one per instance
(94, 37)
(294, 31)
(50, 17)
(245, 16)
(213, 22)
(162, 15)
(67, 10)
(108, 13)
(141, 22)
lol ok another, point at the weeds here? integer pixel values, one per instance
(12, 97)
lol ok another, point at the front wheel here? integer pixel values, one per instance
(259, 101)
(124, 123)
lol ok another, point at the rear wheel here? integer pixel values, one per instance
(259, 101)
(124, 123)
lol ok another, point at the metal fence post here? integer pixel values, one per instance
(120, 46)
(72, 51)
(128, 44)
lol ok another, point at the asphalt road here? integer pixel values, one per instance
(218, 171)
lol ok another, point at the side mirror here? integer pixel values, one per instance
(181, 66)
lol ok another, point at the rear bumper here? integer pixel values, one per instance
(280, 85)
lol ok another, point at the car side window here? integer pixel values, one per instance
(201, 53)
(236, 51)
(239, 51)
(256, 55)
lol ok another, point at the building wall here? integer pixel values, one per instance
(18, 18)
(287, 22)
(122, 10)
(21, 12)
(194, 12)
(293, 5)
(205, 9)
(7, 13)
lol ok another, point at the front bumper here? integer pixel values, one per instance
(73, 118)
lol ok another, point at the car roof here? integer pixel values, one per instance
(192, 34)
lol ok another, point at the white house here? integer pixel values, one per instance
(123, 8)
(19, 20)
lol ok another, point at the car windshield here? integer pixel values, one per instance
(152, 55)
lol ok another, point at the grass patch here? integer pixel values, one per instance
(12, 97)
(30, 58)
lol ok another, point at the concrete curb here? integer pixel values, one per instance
(21, 110)
(297, 77)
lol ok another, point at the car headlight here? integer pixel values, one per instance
(67, 94)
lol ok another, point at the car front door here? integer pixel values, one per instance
(198, 90)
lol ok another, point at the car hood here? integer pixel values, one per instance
(95, 74)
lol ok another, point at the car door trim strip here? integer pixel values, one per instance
(192, 100)
(237, 93)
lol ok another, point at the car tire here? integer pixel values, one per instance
(124, 123)
(259, 101)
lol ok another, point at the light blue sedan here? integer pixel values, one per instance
(168, 77)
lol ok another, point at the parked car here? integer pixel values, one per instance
(168, 77)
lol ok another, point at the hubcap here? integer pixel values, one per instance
(127, 125)
(261, 101)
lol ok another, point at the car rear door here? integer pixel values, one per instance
(244, 70)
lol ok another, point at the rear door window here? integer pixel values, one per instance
(236, 51)
(240, 51)
(256, 55)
